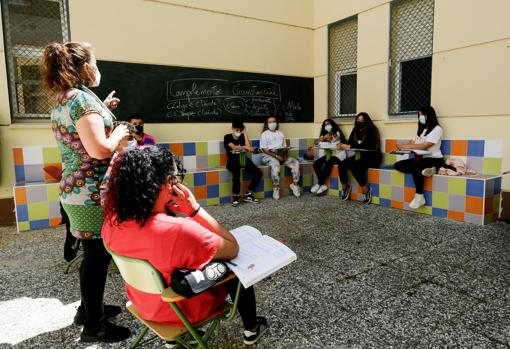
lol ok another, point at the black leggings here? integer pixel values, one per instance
(415, 166)
(247, 306)
(358, 168)
(323, 167)
(254, 171)
(93, 272)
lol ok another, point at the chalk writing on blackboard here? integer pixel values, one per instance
(187, 98)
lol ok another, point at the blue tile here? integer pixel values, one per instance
(268, 194)
(408, 180)
(200, 178)
(40, 224)
(225, 200)
(439, 212)
(384, 202)
(260, 187)
(375, 189)
(474, 187)
(497, 185)
(255, 143)
(476, 148)
(333, 183)
(164, 145)
(428, 197)
(446, 147)
(19, 171)
(22, 212)
(213, 191)
(189, 149)
(287, 172)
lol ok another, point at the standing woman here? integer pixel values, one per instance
(364, 135)
(331, 133)
(428, 138)
(82, 125)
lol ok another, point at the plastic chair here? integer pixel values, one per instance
(140, 274)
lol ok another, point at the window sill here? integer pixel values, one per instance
(401, 120)
(28, 125)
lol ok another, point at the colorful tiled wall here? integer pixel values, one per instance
(30, 164)
(37, 206)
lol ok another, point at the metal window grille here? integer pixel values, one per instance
(343, 53)
(410, 66)
(29, 25)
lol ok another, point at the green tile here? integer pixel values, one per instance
(385, 191)
(51, 155)
(201, 148)
(213, 201)
(23, 226)
(225, 189)
(310, 141)
(259, 195)
(52, 192)
(496, 200)
(457, 185)
(390, 159)
(425, 210)
(307, 180)
(334, 192)
(38, 210)
(213, 160)
(488, 218)
(397, 178)
(294, 153)
(440, 200)
(491, 166)
(268, 184)
(375, 200)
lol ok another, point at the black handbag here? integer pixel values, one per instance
(189, 283)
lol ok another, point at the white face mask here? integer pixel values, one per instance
(422, 119)
(97, 81)
(272, 126)
(328, 128)
(131, 144)
(237, 134)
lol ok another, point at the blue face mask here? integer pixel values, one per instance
(272, 126)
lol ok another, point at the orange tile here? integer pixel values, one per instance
(177, 149)
(373, 176)
(55, 222)
(21, 196)
(458, 216)
(200, 192)
(288, 181)
(354, 196)
(52, 172)
(334, 171)
(18, 156)
(213, 177)
(390, 145)
(409, 194)
(223, 160)
(489, 205)
(427, 185)
(397, 204)
(474, 205)
(459, 147)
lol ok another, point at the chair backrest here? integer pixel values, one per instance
(138, 273)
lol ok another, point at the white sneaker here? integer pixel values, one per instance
(418, 201)
(314, 189)
(322, 189)
(295, 190)
(429, 172)
(276, 193)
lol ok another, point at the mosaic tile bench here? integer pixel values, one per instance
(37, 169)
(474, 198)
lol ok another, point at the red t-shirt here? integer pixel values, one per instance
(168, 243)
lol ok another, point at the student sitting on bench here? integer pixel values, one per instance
(237, 144)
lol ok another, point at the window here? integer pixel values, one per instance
(28, 26)
(410, 66)
(343, 53)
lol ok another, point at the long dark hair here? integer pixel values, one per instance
(431, 120)
(135, 182)
(266, 127)
(334, 129)
(366, 134)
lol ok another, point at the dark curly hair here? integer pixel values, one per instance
(135, 181)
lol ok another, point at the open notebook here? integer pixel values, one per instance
(259, 255)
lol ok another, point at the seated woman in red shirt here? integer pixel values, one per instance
(144, 193)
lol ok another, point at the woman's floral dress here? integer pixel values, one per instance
(82, 175)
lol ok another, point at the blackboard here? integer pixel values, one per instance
(165, 94)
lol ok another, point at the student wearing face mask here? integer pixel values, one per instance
(331, 133)
(140, 136)
(365, 136)
(271, 142)
(237, 144)
(428, 137)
